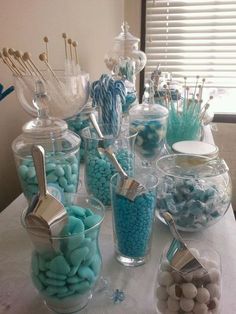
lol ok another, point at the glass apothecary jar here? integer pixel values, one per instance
(196, 190)
(61, 156)
(195, 292)
(79, 122)
(150, 121)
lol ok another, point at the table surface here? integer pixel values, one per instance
(18, 296)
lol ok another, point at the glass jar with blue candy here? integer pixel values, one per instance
(98, 168)
(61, 152)
(150, 121)
(196, 190)
(79, 122)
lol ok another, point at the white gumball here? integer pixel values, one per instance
(165, 278)
(162, 293)
(173, 304)
(188, 277)
(200, 308)
(203, 295)
(186, 304)
(214, 275)
(174, 291)
(161, 306)
(189, 290)
(214, 290)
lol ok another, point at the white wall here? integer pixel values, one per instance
(93, 23)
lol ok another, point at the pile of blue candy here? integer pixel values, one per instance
(133, 223)
(99, 170)
(194, 203)
(150, 138)
(74, 269)
(62, 174)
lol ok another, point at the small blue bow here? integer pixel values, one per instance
(6, 92)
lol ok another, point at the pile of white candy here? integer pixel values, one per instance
(195, 293)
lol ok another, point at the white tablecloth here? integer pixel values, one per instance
(18, 296)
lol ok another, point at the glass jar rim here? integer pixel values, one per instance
(197, 161)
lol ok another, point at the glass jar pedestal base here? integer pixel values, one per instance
(69, 305)
(130, 261)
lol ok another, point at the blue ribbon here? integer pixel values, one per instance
(6, 92)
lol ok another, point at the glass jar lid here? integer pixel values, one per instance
(126, 36)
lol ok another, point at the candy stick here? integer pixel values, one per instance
(8, 65)
(27, 58)
(12, 53)
(45, 39)
(75, 44)
(70, 42)
(64, 36)
(18, 56)
(9, 60)
(43, 57)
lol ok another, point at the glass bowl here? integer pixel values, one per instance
(68, 94)
(194, 189)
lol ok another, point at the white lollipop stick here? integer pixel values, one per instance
(26, 57)
(45, 39)
(75, 44)
(9, 60)
(43, 57)
(18, 57)
(70, 42)
(64, 36)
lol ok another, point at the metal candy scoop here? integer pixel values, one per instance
(46, 215)
(178, 254)
(128, 186)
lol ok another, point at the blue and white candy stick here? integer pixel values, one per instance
(109, 95)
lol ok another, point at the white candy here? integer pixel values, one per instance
(203, 295)
(176, 276)
(189, 290)
(200, 308)
(186, 304)
(165, 278)
(173, 304)
(213, 305)
(188, 277)
(174, 291)
(162, 293)
(214, 275)
(162, 306)
(214, 290)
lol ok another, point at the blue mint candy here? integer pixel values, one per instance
(74, 279)
(86, 273)
(96, 264)
(51, 274)
(79, 255)
(23, 170)
(59, 265)
(59, 171)
(91, 221)
(55, 282)
(80, 287)
(52, 290)
(77, 211)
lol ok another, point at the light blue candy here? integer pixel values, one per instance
(59, 265)
(59, 171)
(91, 221)
(86, 273)
(78, 255)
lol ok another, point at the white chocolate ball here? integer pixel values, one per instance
(174, 291)
(165, 278)
(189, 290)
(161, 306)
(200, 308)
(214, 275)
(188, 277)
(173, 304)
(186, 304)
(203, 295)
(177, 277)
(214, 290)
(162, 293)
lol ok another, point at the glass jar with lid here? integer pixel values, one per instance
(125, 61)
(150, 121)
(61, 152)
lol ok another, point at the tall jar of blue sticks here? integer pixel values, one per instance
(98, 168)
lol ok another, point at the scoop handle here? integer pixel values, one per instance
(96, 126)
(171, 223)
(38, 155)
(111, 155)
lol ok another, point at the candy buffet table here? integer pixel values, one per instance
(18, 296)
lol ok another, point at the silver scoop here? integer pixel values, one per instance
(128, 186)
(46, 215)
(178, 254)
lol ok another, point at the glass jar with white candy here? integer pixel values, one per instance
(195, 292)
